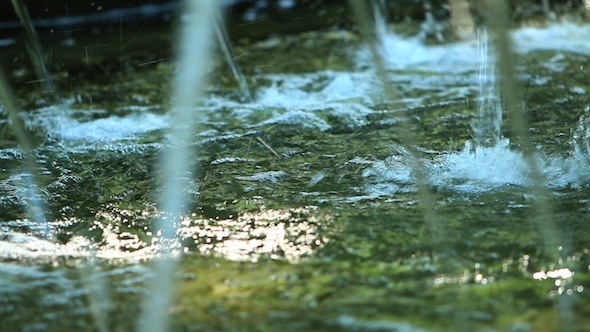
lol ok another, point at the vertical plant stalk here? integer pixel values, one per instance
(33, 201)
(513, 100)
(498, 21)
(34, 48)
(194, 61)
(437, 230)
(98, 297)
(228, 53)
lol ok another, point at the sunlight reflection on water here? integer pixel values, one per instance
(291, 235)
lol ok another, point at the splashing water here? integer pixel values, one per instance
(478, 168)
(487, 130)
(335, 107)
(487, 163)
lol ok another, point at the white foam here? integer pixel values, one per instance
(564, 36)
(283, 96)
(312, 101)
(461, 57)
(65, 125)
(471, 170)
(113, 128)
(298, 91)
(480, 169)
(343, 87)
(412, 53)
(300, 119)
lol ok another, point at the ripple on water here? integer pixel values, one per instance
(60, 296)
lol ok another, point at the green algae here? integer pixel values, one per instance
(315, 295)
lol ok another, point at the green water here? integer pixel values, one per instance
(286, 233)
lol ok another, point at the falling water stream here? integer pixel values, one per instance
(488, 126)
(369, 178)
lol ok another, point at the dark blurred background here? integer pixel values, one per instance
(260, 16)
(86, 42)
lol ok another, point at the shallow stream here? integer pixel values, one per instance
(305, 211)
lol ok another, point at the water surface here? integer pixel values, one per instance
(304, 213)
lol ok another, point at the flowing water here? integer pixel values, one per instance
(304, 208)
